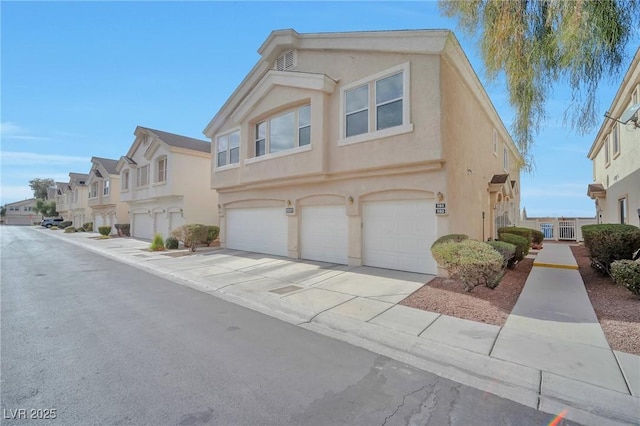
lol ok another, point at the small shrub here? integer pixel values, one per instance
(610, 242)
(69, 229)
(191, 235)
(516, 230)
(521, 243)
(627, 273)
(81, 229)
(450, 237)
(88, 226)
(158, 243)
(506, 250)
(471, 262)
(65, 224)
(171, 243)
(104, 230)
(537, 237)
(123, 229)
(53, 228)
(212, 233)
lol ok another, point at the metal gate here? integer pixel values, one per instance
(567, 230)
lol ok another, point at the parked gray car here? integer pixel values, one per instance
(51, 221)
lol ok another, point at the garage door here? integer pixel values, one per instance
(323, 234)
(160, 223)
(97, 222)
(262, 230)
(175, 220)
(142, 226)
(399, 234)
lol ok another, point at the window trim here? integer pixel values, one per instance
(607, 155)
(124, 180)
(295, 130)
(495, 142)
(156, 179)
(505, 157)
(106, 185)
(615, 137)
(228, 165)
(405, 127)
(91, 194)
(623, 219)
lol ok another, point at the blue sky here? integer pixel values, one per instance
(78, 77)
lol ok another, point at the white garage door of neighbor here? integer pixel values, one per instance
(261, 230)
(323, 234)
(175, 220)
(97, 222)
(160, 223)
(399, 234)
(142, 226)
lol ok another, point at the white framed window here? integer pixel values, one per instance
(286, 131)
(622, 209)
(124, 180)
(142, 176)
(228, 149)
(606, 151)
(161, 170)
(616, 140)
(495, 142)
(93, 190)
(105, 187)
(377, 106)
(505, 158)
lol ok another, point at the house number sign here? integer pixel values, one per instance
(441, 208)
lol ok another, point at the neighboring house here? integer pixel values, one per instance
(361, 148)
(21, 213)
(615, 154)
(63, 200)
(104, 194)
(164, 179)
(77, 200)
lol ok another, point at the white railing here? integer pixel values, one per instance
(556, 229)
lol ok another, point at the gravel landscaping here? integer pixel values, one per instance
(447, 297)
(618, 309)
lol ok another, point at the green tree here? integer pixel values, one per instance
(46, 208)
(537, 43)
(41, 187)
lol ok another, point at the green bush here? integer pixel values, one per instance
(521, 243)
(610, 242)
(88, 226)
(450, 237)
(537, 237)
(70, 229)
(65, 224)
(171, 243)
(104, 230)
(516, 230)
(157, 244)
(506, 250)
(627, 274)
(191, 235)
(123, 229)
(53, 228)
(81, 229)
(471, 262)
(212, 233)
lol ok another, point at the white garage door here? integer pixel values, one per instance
(97, 222)
(175, 220)
(262, 230)
(399, 234)
(142, 226)
(160, 223)
(323, 234)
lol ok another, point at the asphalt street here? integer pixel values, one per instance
(91, 341)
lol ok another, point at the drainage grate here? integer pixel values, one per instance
(285, 290)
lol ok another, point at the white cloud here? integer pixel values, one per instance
(12, 131)
(32, 158)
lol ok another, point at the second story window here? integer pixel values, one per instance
(606, 152)
(142, 177)
(228, 149)
(616, 140)
(505, 158)
(93, 190)
(124, 180)
(161, 170)
(75, 196)
(105, 187)
(286, 131)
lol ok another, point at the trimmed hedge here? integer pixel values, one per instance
(456, 238)
(123, 229)
(192, 235)
(471, 262)
(609, 242)
(627, 273)
(212, 233)
(521, 243)
(104, 230)
(88, 226)
(70, 229)
(506, 250)
(516, 230)
(65, 224)
(537, 237)
(171, 243)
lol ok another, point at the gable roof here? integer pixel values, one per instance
(78, 179)
(179, 141)
(108, 164)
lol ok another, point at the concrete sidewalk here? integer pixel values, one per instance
(551, 354)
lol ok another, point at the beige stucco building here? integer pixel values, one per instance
(21, 213)
(164, 180)
(615, 154)
(361, 148)
(104, 194)
(77, 200)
